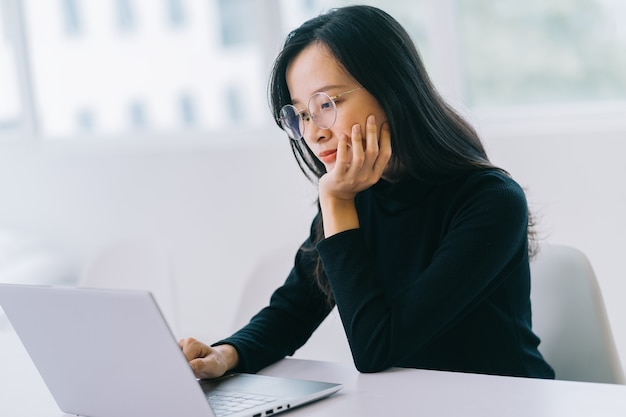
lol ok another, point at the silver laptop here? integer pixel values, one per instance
(110, 353)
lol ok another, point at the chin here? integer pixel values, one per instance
(329, 166)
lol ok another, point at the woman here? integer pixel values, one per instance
(420, 241)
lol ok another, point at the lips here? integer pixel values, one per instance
(328, 156)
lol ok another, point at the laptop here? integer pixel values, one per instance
(110, 353)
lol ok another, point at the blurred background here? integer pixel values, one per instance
(78, 68)
(149, 119)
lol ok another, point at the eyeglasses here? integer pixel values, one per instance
(322, 109)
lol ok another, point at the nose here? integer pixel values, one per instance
(313, 133)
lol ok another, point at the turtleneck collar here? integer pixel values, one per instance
(406, 191)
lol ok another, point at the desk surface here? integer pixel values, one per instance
(395, 392)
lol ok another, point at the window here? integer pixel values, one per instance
(538, 52)
(125, 12)
(71, 12)
(176, 12)
(138, 117)
(85, 120)
(188, 110)
(235, 105)
(89, 81)
(114, 67)
(238, 22)
(9, 92)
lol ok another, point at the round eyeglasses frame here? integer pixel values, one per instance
(325, 115)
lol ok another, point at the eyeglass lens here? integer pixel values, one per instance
(321, 109)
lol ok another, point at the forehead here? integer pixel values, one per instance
(314, 69)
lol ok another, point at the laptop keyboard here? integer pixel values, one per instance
(226, 403)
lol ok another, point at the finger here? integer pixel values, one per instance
(203, 368)
(341, 161)
(211, 366)
(371, 135)
(384, 153)
(184, 345)
(193, 348)
(357, 146)
(372, 147)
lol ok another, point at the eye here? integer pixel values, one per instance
(326, 105)
(304, 115)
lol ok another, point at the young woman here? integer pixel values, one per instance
(420, 241)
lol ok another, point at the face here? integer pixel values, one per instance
(316, 70)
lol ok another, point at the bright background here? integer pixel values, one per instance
(149, 119)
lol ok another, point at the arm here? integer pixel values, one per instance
(295, 310)
(338, 188)
(484, 241)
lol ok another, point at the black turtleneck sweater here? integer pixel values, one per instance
(436, 277)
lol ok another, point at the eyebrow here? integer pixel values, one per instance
(323, 89)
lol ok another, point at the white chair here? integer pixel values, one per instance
(570, 318)
(134, 264)
(328, 342)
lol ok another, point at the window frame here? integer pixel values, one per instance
(26, 128)
(559, 119)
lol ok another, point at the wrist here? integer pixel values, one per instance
(338, 214)
(230, 355)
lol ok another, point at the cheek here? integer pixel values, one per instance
(343, 124)
(359, 116)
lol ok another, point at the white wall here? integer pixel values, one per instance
(215, 208)
(219, 209)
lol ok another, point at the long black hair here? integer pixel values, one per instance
(429, 139)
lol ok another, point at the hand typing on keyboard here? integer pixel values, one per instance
(207, 361)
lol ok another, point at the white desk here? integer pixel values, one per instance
(401, 392)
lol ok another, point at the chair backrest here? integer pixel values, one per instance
(570, 318)
(134, 264)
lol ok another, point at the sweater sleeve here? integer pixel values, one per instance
(295, 310)
(486, 238)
